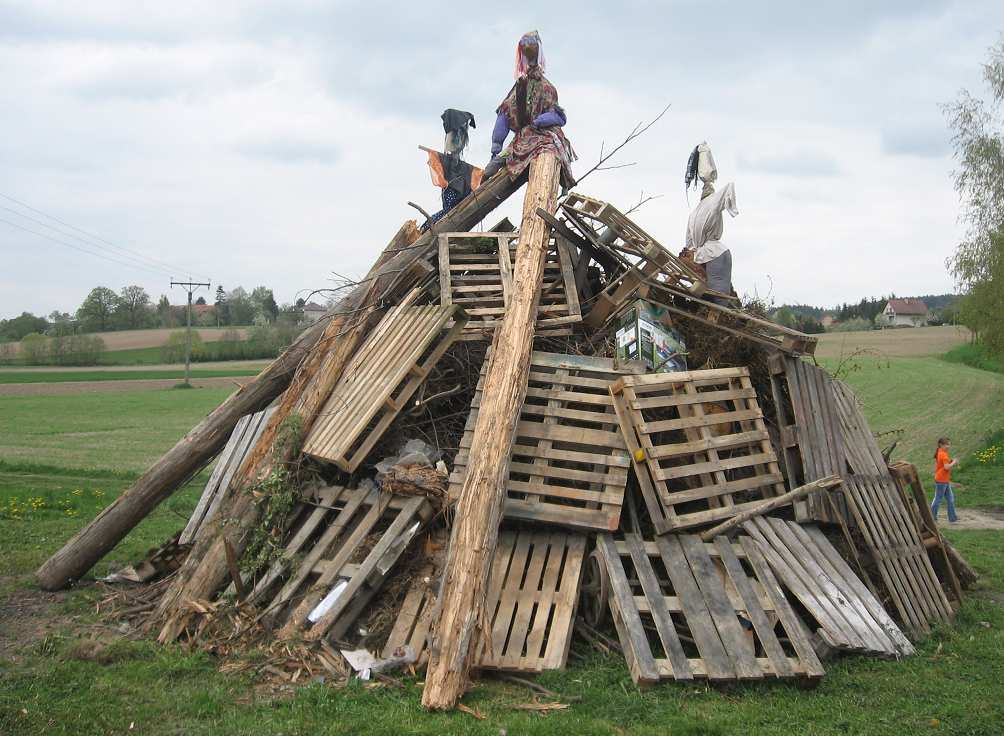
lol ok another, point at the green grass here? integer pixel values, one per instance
(138, 375)
(134, 356)
(124, 431)
(951, 686)
(928, 398)
(975, 356)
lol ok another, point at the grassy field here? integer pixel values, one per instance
(76, 452)
(136, 375)
(94, 431)
(901, 343)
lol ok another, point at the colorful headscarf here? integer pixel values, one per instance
(532, 38)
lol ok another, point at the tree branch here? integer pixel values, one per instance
(635, 132)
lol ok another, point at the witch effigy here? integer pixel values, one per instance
(450, 172)
(530, 111)
(704, 244)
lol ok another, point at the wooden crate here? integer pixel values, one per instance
(532, 596)
(244, 437)
(847, 615)
(811, 437)
(698, 443)
(348, 541)
(475, 273)
(377, 383)
(569, 464)
(894, 542)
(685, 609)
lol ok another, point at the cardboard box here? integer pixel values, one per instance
(645, 332)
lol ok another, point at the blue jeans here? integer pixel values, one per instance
(944, 491)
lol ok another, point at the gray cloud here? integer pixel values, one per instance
(803, 164)
(929, 142)
(289, 151)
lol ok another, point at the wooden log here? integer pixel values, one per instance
(461, 617)
(181, 462)
(823, 484)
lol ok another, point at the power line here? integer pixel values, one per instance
(83, 250)
(171, 267)
(138, 262)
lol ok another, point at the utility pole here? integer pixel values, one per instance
(189, 286)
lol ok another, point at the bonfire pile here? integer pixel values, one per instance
(502, 439)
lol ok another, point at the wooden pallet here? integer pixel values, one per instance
(912, 492)
(893, 540)
(847, 615)
(348, 541)
(860, 447)
(475, 273)
(685, 609)
(245, 435)
(387, 369)
(588, 215)
(698, 443)
(532, 597)
(811, 435)
(569, 464)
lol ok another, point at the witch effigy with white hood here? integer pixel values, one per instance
(705, 225)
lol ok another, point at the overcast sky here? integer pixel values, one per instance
(273, 143)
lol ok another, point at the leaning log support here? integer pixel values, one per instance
(181, 462)
(461, 606)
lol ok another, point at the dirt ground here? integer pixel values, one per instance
(130, 339)
(989, 518)
(27, 615)
(94, 387)
(913, 342)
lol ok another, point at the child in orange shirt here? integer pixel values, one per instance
(943, 479)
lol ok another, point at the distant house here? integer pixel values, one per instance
(904, 313)
(312, 312)
(827, 321)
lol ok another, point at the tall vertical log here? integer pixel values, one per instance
(461, 605)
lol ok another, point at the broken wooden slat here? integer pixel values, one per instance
(243, 438)
(685, 609)
(532, 598)
(382, 376)
(811, 435)
(893, 541)
(912, 492)
(693, 467)
(569, 464)
(849, 616)
(327, 578)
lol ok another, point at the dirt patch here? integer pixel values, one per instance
(988, 518)
(26, 617)
(95, 387)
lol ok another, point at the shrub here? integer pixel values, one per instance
(852, 325)
(173, 351)
(35, 349)
(8, 352)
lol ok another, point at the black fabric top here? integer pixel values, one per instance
(456, 120)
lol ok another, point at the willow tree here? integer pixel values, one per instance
(978, 261)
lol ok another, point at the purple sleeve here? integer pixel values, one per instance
(551, 118)
(500, 132)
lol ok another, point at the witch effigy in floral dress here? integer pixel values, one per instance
(531, 111)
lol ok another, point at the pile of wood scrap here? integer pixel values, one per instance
(726, 522)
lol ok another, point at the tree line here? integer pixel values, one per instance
(131, 308)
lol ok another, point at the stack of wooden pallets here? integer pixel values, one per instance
(680, 495)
